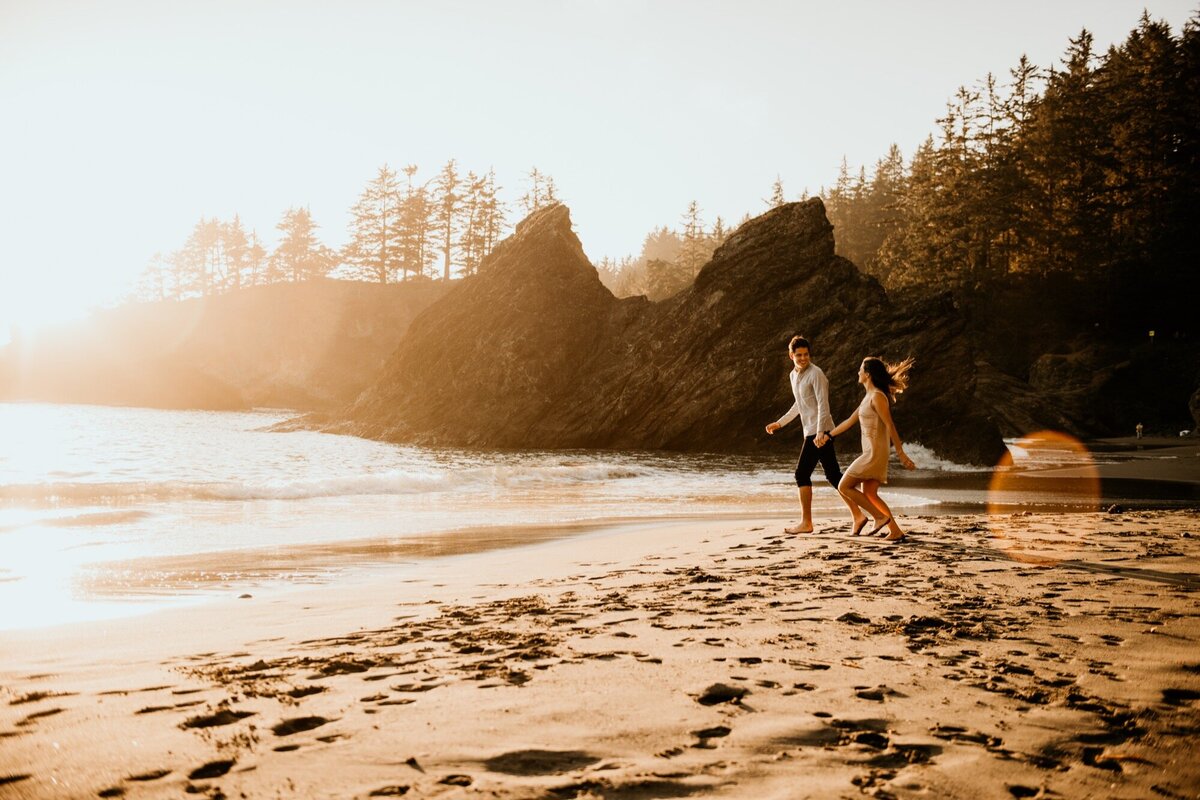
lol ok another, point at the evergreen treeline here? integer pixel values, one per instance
(1083, 180)
(669, 259)
(399, 230)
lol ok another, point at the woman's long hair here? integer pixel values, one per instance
(889, 378)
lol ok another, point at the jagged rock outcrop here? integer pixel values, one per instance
(495, 361)
(306, 346)
(535, 352)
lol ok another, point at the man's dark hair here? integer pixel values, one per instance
(797, 342)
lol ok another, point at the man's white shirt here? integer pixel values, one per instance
(811, 390)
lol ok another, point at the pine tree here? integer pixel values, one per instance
(415, 223)
(542, 191)
(237, 253)
(694, 252)
(473, 239)
(153, 283)
(375, 251)
(300, 256)
(494, 214)
(777, 199)
(446, 212)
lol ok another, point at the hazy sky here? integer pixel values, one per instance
(124, 122)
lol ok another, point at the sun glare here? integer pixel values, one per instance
(29, 315)
(1023, 473)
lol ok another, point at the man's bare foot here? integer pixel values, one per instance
(798, 529)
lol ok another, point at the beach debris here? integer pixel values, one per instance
(457, 780)
(853, 618)
(412, 762)
(390, 791)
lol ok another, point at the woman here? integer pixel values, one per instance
(882, 382)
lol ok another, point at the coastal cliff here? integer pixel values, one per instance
(535, 352)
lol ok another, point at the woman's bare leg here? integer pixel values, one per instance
(856, 500)
(871, 492)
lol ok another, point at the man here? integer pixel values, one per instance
(811, 390)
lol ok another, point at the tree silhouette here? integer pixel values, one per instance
(374, 251)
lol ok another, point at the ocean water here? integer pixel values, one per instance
(110, 510)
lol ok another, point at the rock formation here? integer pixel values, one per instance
(534, 352)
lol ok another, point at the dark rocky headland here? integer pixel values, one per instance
(534, 352)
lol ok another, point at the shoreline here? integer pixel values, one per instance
(989, 656)
(138, 586)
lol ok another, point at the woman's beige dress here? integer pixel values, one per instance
(873, 463)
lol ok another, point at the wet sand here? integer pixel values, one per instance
(1048, 655)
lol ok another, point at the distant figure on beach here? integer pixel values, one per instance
(810, 388)
(1138, 430)
(882, 382)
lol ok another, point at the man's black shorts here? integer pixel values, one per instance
(810, 454)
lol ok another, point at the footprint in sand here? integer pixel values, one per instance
(298, 725)
(722, 693)
(223, 717)
(35, 716)
(540, 762)
(1178, 697)
(704, 735)
(213, 769)
(149, 776)
(34, 697)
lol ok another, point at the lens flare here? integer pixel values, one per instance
(1046, 468)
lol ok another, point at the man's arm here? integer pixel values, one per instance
(788, 416)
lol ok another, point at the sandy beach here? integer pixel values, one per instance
(1005, 656)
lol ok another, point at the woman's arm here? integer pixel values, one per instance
(880, 402)
(846, 425)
